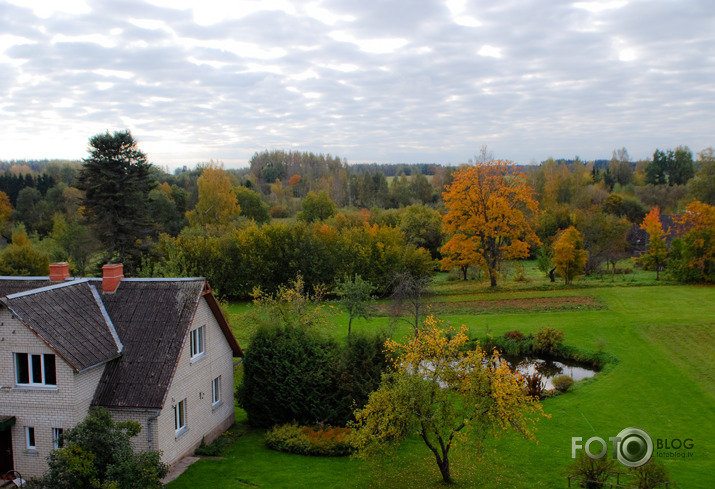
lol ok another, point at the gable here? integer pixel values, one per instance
(70, 319)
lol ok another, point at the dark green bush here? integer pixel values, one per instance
(592, 473)
(297, 374)
(562, 383)
(303, 440)
(650, 475)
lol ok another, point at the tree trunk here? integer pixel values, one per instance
(464, 272)
(493, 277)
(551, 274)
(444, 469)
(350, 323)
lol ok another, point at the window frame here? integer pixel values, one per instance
(197, 342)
(38, 369)
(180, 425)
(56, 438)
(216, 400)
(30, 439)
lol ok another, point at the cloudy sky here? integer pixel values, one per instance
(367, 80)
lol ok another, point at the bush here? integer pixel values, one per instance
(534, 385)
(650, 475)
(547, 340)
(514, 335)
(562, 382)
(592, 473)
(292, 373)
(218, 446)
(303, 440)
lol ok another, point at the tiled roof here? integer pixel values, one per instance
(70, 318)
(13, 285)
(152, 318)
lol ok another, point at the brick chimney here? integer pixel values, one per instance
(59, 271)
(111, 276)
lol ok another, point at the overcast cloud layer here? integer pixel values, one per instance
(384, 81)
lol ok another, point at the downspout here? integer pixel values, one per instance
(148, 427)
(240, 360)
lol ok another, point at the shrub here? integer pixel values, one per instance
(592, 473)
(515, 335)
(547, 340)
(650, 475)
(562, 382)
(534, 385)
(218, 446)
(303, 440)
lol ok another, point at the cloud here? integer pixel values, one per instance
(398, 81)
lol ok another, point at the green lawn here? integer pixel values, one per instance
(663, 382)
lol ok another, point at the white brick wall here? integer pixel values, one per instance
(42, 409)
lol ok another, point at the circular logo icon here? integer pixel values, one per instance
(635, 447)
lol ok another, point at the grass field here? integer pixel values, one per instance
(663, 382)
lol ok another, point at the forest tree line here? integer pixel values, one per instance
(292, 213)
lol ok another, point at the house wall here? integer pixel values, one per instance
(192, 381)
(43, 409)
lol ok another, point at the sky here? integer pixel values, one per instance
(389, 81)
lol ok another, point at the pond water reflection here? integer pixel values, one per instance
(549, 368)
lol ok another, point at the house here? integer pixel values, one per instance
(156, 351)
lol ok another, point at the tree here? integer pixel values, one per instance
(656, 172)
(422, 227)
(569, 256)
(408, 296)
(252, 206)
(692, 257)
(217, 205)
(702, 186)
(443, 392)
(317, 207)
(654, 258)
(116, 181)
(355, 297)
(97, 453)
(20, 258)
(491, 208)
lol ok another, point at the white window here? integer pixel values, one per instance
(30, 438)
(196, 342)
(180, 417)
(57, 437)
(216, 391)
(35, 370)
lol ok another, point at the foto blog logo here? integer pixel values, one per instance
(632, 447)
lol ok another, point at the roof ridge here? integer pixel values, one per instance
(47, 288)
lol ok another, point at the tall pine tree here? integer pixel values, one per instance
(116, 180)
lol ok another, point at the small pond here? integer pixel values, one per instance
(549, 368)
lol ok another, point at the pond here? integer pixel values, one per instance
(549, 368)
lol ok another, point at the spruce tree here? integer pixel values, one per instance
(116, 179)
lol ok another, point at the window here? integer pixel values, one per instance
(180, 417)
(30, 438)
(216, 391)
(196, 340)
(57, 437)
(35, 370)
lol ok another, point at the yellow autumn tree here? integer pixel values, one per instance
(444, 393)
(217, 204)
(490, 215)
(569, 256)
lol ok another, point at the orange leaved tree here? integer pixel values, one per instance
(654, 258)
(490, 214)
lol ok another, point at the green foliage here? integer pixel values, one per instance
(304, 440)
(592, 473)
(423, 228)
(355, 296)
(562, 383)
(547, 340)
(218, 446)
(650, 475)
(20, 257)
(116, 180)
(252, 206)
(98, 454)
(317, 207)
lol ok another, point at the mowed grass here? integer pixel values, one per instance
(663, 382)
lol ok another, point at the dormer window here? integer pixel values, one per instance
(35, 370)
(197, 342)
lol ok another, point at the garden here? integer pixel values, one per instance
(657, 338)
